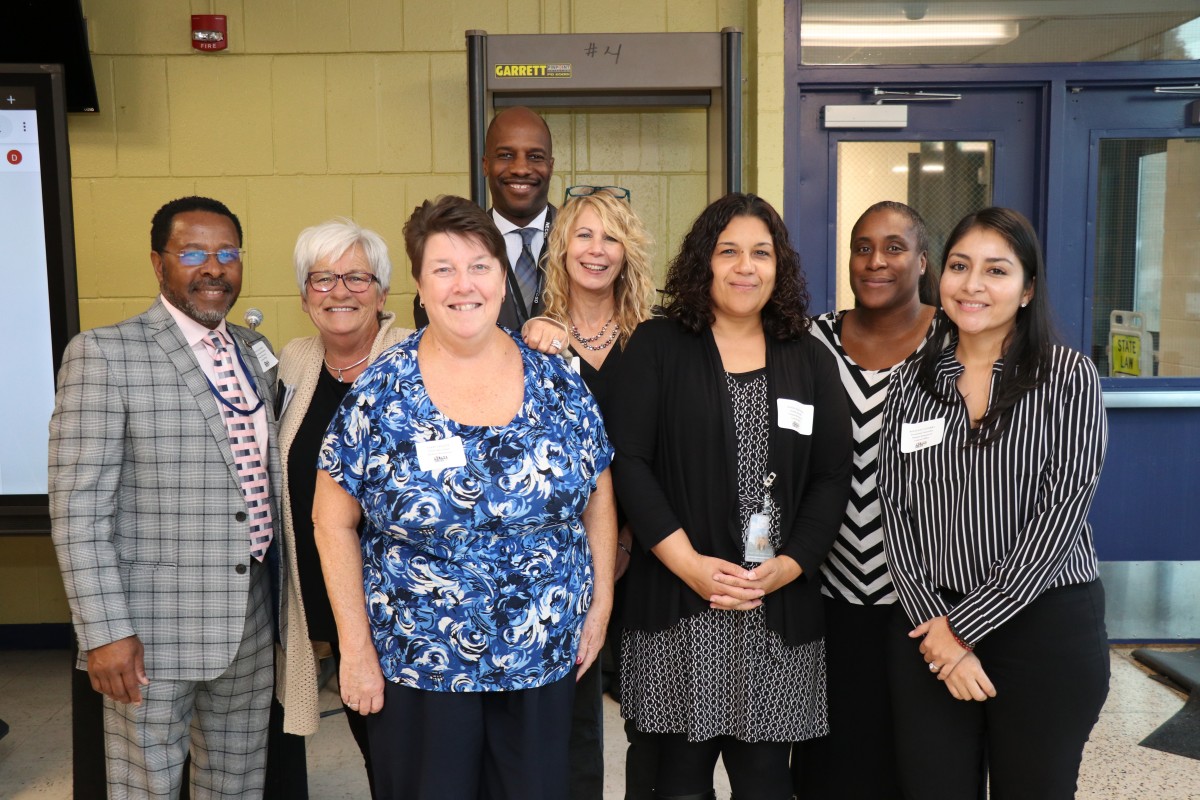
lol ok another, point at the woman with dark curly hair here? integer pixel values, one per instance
(733, 463)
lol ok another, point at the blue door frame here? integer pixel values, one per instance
(1145, 508)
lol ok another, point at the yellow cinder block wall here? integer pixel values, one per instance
(322, 108)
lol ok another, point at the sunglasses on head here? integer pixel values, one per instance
(583, 190)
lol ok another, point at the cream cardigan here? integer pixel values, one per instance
(296, 672)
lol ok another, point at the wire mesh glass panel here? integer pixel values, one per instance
(998, 31)
(944, 181)
(1146, 295)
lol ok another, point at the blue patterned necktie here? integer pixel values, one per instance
(247, 457)
(526, 268)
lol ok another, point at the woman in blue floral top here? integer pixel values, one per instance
(465, 520)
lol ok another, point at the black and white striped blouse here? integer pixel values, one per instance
(999, 523)
(855, 569)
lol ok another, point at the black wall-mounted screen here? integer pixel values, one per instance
(37, 266)
(51, 32)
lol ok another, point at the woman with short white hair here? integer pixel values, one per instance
(343, 272)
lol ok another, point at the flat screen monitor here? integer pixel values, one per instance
(37, 267)
(51, 32)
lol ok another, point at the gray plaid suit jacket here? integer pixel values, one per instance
(148, 519)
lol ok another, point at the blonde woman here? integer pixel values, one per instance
(599, 283)
(599, 286)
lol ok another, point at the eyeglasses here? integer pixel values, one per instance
(583, 190)
(357, 282)
(225, 256)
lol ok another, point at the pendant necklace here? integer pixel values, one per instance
(340, 370)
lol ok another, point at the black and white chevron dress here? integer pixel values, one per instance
(855, 570)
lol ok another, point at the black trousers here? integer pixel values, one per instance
(472, 745)
(587, 737)
(1050, 667)
(641, 763)
(857, 759)
(757, 770)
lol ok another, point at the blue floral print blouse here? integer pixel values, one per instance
(477, 576)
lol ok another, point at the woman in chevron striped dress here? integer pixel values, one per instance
(889, 324)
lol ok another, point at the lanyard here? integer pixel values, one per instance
(767, 502)
(537, 293)
(249, 378)
(757, 539)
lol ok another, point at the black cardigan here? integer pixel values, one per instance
(676, 467)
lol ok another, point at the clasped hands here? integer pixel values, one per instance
(734, 588)
(956, 666)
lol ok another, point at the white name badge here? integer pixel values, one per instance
(266, 359)
(441, 454)
(795, 416)
(916, 436)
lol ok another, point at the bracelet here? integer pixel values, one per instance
(961, 643)
(621, 545)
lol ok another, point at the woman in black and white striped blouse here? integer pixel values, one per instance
(990, 455)
(890, 324)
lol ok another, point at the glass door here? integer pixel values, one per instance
(1138, 227)
(954, 156)
(1133, 221)
(942, 180)
(1146, 278)
(1110, 177)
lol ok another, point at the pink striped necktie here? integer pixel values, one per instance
(247, 458)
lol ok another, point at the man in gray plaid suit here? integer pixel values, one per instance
(153, 526)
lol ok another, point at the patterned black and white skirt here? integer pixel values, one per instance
(722, 673)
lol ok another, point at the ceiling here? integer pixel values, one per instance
(1047, 31)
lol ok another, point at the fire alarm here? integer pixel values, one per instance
(208, 32)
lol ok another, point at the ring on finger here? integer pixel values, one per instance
(556, 344)
(933, 667)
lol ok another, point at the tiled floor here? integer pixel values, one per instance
(35, 756)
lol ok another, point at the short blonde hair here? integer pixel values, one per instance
(633, 291)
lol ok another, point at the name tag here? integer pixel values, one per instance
(441, 454)
(916, 436)
(266, 359)
(795, 416)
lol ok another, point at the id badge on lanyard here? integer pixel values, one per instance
(757, 536)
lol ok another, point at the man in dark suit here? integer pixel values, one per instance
(518, 158)
(162, 455)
